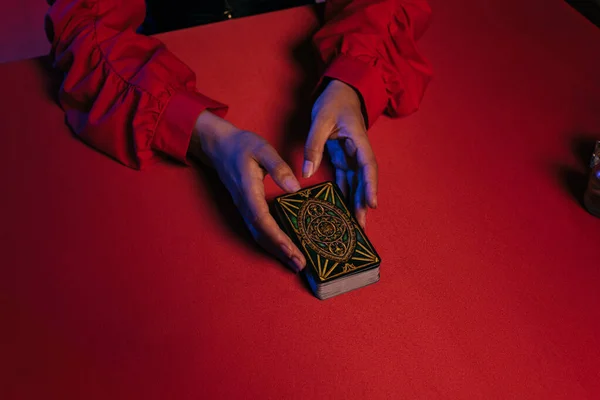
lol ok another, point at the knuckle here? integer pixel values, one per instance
(258, 216)
(280, 170)
(311, 151)
(261, 146)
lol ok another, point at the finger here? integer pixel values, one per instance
(283, 253)
(315, 144)
(281, 173)
(350, 147)
(274, 240)
(360, 208)
(337, 154)
(340, 179)
(351, 180)
(257, 216)
(369, 170)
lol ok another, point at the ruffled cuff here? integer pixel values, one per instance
(176, 124)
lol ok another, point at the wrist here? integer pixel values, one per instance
(339, 99)
(345, 91)
(208, 131)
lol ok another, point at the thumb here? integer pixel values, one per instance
(314, 147)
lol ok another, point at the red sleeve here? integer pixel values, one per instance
(370, 45)
(124, 94)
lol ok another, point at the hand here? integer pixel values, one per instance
(242, 160)
(338, 123)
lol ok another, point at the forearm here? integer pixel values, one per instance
(124, 94)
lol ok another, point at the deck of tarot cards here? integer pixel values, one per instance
(339, 256)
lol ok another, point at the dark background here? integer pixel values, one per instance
(589, 8)
(165, 15)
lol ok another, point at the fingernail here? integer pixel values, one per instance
(363, 223)
(291, 185)
(307, 169)
(298, 263)
(286, 250)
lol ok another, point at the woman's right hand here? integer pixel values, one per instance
(242, 160)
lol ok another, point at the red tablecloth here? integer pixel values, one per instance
(121, 284)
(22, 29)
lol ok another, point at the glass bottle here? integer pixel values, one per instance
(591, 198)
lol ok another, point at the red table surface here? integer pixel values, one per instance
(122, 284)
(22, 29)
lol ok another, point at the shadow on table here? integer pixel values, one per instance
(574, 179)
(211, 186)
(53, 77)
(209, 183)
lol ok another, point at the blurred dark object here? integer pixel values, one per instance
(165, 15)
(591, 198)
(588, 8)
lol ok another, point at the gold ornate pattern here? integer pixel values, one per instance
(333, 243)
(326, 230)
(348, 267)
(305, 193)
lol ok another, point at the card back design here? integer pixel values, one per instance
(327, 230)
(319, 222)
